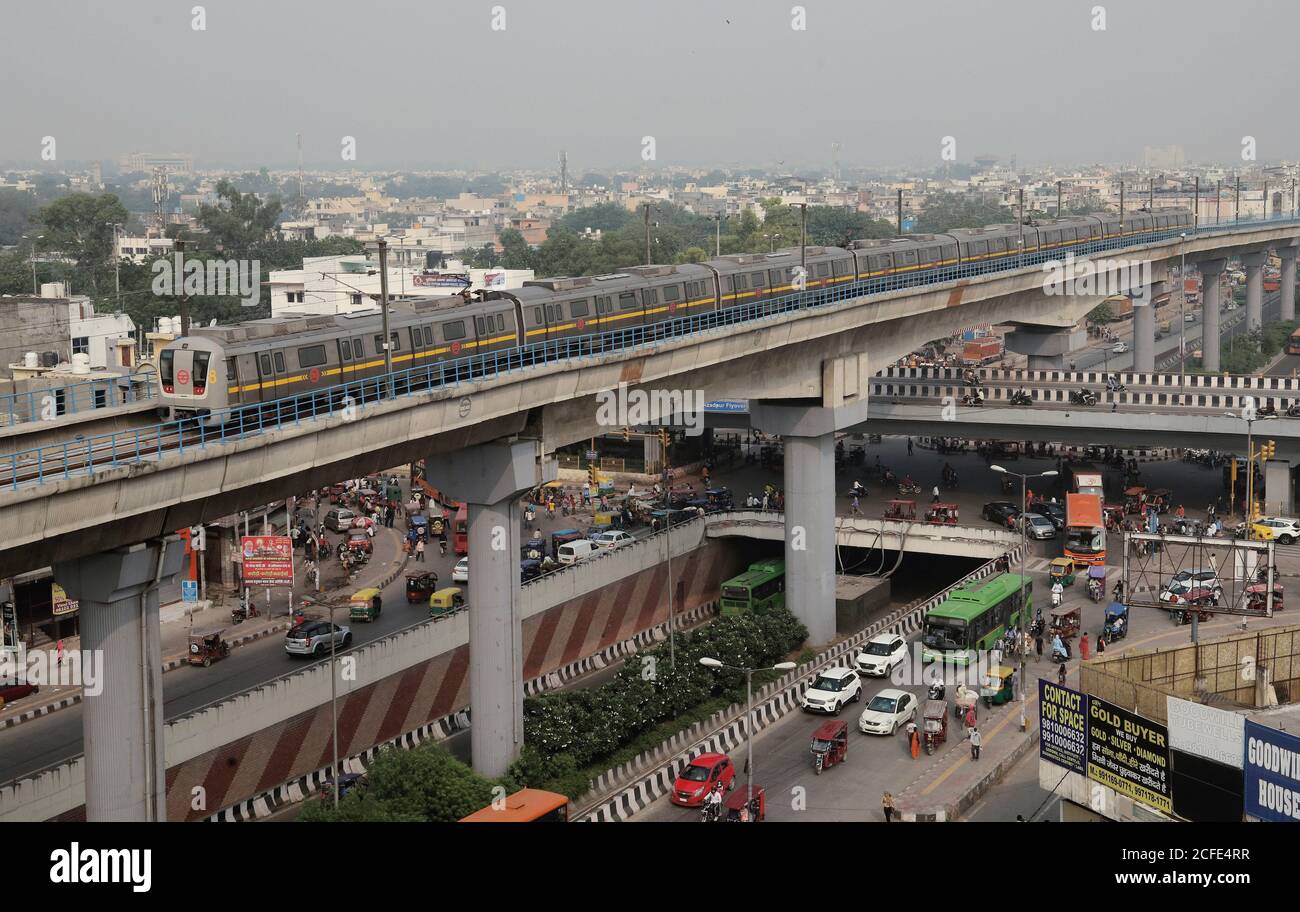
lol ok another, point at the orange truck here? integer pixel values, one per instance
(1085, 530)
(982, 351)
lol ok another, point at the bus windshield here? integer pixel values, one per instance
(1086, 539)
(944, 633)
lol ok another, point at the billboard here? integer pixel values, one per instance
(1214, 734)
(8, 626)
(442, 280)
(1185, 573)
(62, 604)
(1130, 754)
(267, 560)
(1063, 725)
(1272, 764)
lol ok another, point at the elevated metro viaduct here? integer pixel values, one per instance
(805, 371)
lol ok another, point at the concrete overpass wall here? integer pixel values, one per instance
(280, 731)
(860, 532)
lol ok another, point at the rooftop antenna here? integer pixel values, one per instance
(160, 197)
(564, 172)
(835, 159)
(302, 197)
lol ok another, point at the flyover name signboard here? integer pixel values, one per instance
(1272, 767)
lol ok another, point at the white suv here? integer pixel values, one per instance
(881, 655)
(831, 689)
(1280, 529)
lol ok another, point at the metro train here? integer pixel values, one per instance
(219, 368)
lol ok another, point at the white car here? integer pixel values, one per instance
(1280, 529)
(1119, 348)
(460, 572)
(882, 654)
(887, 711)
(831, 689)
(1183, 582)
(615, 538)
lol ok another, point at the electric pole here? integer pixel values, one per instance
(648, 261)
(383, 304)
(181, 298)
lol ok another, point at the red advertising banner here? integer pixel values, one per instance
(267, 560)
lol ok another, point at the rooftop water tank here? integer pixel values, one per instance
(31, 359)
(81, 363)
(49, 359)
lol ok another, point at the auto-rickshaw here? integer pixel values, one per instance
(942, 514)
(1133, 498)
(365, 605)
(335, 493)
(1096, 582)
(563, 537)
(529, 570)
(900, 509)
(207, 647)
(602, 521)
(1064, 621)
(736, 801)
(419, 586)
(1115, 625)
(446, 601)
(998, 685)
(1061, 570)
(1256, 597)
(934, 724)
(420, 524)
(830, 744)
(1158, 499)
(533, 549)
(438, 523)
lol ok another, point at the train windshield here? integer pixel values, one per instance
(201, 371)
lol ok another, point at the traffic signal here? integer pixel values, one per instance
(627, 435)
(591, 474)
(1268, 450)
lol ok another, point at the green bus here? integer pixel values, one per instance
(974, 617)
(760, 587)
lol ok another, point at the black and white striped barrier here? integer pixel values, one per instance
(1218, 382)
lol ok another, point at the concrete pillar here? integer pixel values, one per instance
(1279, 488)
(1046, 347)
(810, 533)
(1254, 263)
(122, 713)
(1211, 274)
(489, 478)
(1287, 255)
(808, 432)
(1144, 333)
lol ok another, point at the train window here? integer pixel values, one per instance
(756, 279)
(312, 356)
(602, 304)
(478, 324)
(357, 350)
(537, 316)
(428, 337)
(741, 282)
(627, 300)
(579, 308)
(501, 322)
(279, 362)
(774, 277)
(345, 349)
(379, 343)
(672, 292)
(650, 296)
(823, 270)
(264, 365)
(231, 373)
(453, 331)
(397, 345)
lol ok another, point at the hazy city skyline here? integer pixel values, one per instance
(421, 85)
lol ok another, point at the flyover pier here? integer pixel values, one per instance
(122, 724)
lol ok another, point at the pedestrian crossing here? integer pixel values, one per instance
(1113, 574)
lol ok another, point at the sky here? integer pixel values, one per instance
(433, 85)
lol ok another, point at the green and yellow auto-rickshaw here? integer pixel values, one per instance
(1061, 570)
(365, 605)
(446, 601)
(998, 685)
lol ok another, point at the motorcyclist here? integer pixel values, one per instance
(1058, 648)
(1118, 592)
(937, 690)
(857, 490)
(907, 481)
(1058, 593)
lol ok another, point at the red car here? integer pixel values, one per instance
(11, 692)
(360, 541)
(700, 776)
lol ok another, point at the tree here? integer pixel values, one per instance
(80, 226)
(1102, 313)
(601, 217)
(16, 209)
(515, 252)
(945, 211)
(239, 221)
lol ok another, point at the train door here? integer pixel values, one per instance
(272, 374)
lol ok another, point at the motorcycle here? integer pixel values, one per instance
(937, 690)
(710, 811)
(1083, 397)
(974, 401)
(1061, 655)
(1266, 411)
(239, 614)
(1020, 397)
(887, 477)
(905, 489)
(1293, 410)
(857, 490)
(1095, 590)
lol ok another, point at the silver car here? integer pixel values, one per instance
(312, 638)
(1038, 526)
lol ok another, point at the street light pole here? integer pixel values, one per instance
(1024, 555)
(708, 662)
(1182, 313)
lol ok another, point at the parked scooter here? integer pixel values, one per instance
(239, 613)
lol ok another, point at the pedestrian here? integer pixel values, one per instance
(854, 509)
(1083, 646)
(1114, 407)
(1101, 643)
(934, 497)
(909, 446)
(975, 741)
(1060, 676)
(913, 740)
(705, 475)
(765, 500)
(887, 805)
(970, 716)
(60, 652)
(586, 493)
(1038, 645)
(419, 550)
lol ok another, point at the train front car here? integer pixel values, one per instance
(191, 379)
